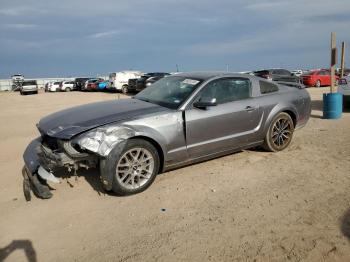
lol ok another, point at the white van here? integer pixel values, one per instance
(119, 81)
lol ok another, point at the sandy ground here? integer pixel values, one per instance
(250, 206)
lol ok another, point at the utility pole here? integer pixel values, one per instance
(227, 67)
(177, 68)
(333, 60)
(342, 60)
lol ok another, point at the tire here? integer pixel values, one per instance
(26, 189)
(346, 104)
(67, 89)
(318, 83)
(125, 89)
(125, 167)
(279, 136)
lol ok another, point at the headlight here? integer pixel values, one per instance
(103, 139)
(148, 84)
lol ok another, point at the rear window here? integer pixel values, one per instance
(29, 83)
(262, 72)
(281, 72)
(267, 87)
(56, 83)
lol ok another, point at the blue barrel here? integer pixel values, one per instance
(332, 105)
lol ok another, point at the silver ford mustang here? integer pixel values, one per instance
(179, 120)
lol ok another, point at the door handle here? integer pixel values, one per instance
(250, 108)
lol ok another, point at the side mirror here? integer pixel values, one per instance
(205, 102)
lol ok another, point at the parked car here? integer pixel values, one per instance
(138, 84)
(179, 120)
(46, 86)
(102, 85)
(92, 84)
(278, 75)
(297, 72)
(317, 78)
(80, 82)
(119, 81)
(29, 87)
(67, 86)
(17, 78)
(346, 71)
(16, 82)
(54, 86)
(344, 89)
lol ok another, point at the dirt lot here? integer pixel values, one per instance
(249, 206)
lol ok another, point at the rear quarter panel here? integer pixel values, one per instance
(288, 99)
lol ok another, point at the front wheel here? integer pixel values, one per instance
(280, 133)
(125, 89)
(134, 168)
(67, 89)
(318, 83)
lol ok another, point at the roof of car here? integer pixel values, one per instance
(205, 75)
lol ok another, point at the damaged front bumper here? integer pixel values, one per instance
(40, 160)
(31, 180)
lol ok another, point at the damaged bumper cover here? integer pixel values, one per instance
(94, 144)
(30, 178)
(38, 156)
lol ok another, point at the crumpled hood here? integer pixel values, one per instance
(70, 122)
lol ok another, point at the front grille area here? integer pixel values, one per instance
(50, 142)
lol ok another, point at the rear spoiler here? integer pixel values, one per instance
(291, 84)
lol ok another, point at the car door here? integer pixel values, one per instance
(226, 125)
(327, 78)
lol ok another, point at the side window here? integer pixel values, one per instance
(266, 87)
(227, 90)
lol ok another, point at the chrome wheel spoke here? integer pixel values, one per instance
(124, 176)
(281, 132)
(134, 168)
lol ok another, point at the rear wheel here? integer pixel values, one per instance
(280, 133)
(125, 89)
(67, 89)
(318, 83)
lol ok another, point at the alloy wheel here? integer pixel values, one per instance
(135, 168)
(281, 132)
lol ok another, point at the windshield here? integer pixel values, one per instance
(169, 92)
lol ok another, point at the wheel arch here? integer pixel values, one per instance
(292, 115)
(156, 145)
(277, 110)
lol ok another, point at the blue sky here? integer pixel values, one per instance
(41, 38)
